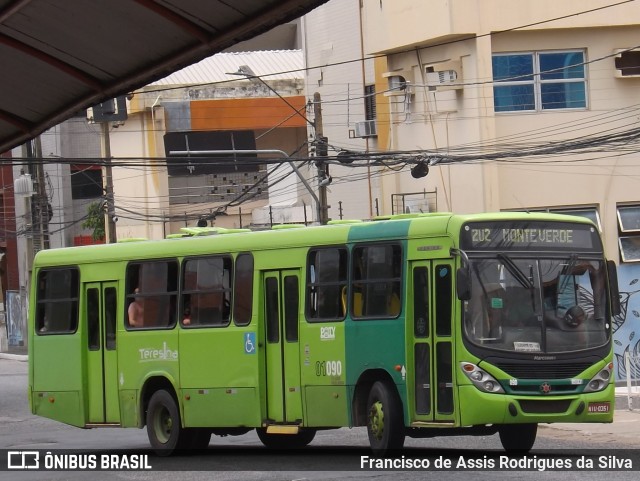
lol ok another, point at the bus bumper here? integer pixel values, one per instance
(477, 407)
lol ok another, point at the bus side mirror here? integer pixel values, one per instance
(614, 292)
(463, 284)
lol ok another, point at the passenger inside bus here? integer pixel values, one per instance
(136, 310)
(186, 319)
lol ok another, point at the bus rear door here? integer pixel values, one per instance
(282, 353)
(429, 326)
(101, 307)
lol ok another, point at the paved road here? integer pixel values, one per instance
(20, 430)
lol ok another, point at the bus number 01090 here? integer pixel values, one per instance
(329, 368)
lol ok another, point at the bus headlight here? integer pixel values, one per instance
(600, 380)
(480, 378)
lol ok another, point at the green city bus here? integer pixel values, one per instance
(412, 325)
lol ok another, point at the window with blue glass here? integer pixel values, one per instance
(539, 81)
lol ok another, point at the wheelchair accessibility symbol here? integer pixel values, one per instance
(250, 343)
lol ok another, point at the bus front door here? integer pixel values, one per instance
(431, 323)
(100, 310)
(282, 353)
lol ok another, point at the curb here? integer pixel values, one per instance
(14, 357)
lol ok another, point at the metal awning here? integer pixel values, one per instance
(61, 56)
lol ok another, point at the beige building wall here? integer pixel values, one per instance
(140, 184)
(415, 35)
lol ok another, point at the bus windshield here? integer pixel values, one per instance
(537, 305)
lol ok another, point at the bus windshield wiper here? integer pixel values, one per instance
(515, 271)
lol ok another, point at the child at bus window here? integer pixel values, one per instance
(136, 310)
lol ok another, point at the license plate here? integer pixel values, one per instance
(603, 407)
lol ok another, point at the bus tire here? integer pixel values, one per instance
(286, 441)
(385, 425)
(518, 438)
(164, 430)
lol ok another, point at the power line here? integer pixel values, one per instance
(440, 44)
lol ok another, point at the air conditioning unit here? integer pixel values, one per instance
(416, 206)
(441, 77)
(627, 63)
(399, 82)
(366, 128)
(444, 75)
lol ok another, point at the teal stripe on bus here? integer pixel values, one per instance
(377, 345)
(380, 230)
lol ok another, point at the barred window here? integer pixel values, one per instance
(370, 102)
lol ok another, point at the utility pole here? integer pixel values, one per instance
(43, 200)
(321, 154)
(38, 211)
(110, 212)
(113, 110)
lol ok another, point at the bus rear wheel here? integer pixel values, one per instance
(518, 438)
(286, 441)
(385, 425)
(163, 424)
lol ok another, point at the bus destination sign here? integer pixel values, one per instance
(532, 235)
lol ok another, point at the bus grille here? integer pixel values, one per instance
(543, 370)
(544, 407)
(535, 389)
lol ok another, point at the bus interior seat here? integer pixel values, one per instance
(356, 302)
(393, 304)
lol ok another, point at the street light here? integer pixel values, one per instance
(248, 73)
(323, 181)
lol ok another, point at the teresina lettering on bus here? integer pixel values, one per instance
(533, 236)
(164, 354)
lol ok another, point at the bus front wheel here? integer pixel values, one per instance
(163, 424)
(385, 425)
(518, 437)
(286, 441)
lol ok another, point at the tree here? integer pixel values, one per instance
(95, 220)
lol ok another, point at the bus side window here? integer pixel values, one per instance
(243, 290)
(57, 301)
(326, 284)
(376, 275)
(207, 286)
(153, 290)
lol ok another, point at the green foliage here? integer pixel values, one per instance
(95, 220)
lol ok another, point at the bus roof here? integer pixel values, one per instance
(239, 240)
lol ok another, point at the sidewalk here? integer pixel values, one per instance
(15, 353)
(624, 430)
